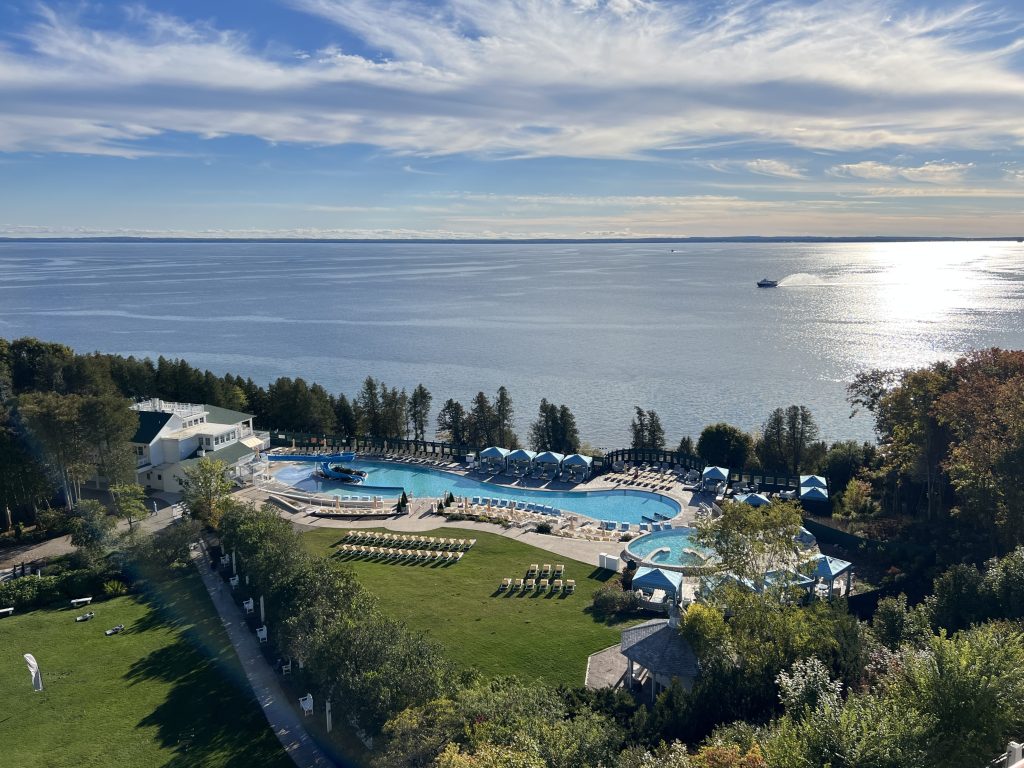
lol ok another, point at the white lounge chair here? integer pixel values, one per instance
(306, 702)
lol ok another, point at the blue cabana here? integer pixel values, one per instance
(650, 579)
(494, 458)
(520, 461)
(578, 465)
(549, 461)
(813, 494)
(754, 499)
(715, 474)
(827, 569)
(789, 579)
(813, 481)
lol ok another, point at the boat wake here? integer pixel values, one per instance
(800, 278)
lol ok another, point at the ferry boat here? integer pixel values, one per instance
(764, 282)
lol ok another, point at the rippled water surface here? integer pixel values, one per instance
(601, 327)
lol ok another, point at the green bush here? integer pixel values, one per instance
(29, 592)
(114, 588)
(543, 528)
(611, 599)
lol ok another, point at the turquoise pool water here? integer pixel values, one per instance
(622, 506)
(673, 544)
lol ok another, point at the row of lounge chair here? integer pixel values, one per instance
(398, 555)
(409, 541)
(538, 585)
(545, 571)
(424, 460)
(539, 509)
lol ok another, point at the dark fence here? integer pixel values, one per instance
(830, 535)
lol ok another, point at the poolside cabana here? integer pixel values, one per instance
(828, 569)
(494, 459)
(712, 476)
(754, 499)
(652, 579)
(549, 462)
(520, 462)
(658, 647)
(790, 579)
(813, 481)
(815, 499)
(578, 465)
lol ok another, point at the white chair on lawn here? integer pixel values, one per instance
(306, 702)
(261, 633)
(249, 605)
(233, 581)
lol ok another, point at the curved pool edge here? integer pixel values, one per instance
(641, 560)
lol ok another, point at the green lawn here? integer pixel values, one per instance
(530, 636)
(168, 691)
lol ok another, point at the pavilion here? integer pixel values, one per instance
(549, 461)
(754, 499)
(712, 476)
(657, 647)
(520, 461)
(578, 465)
(827, 569)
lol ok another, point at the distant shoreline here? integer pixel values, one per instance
(514, 241)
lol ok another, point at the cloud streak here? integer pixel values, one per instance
(518, 78)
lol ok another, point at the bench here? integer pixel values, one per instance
(248, 605)
(286, 668)
(261, 633)
(306, 702)
(233, 581)
(6, 611)
(78, 602)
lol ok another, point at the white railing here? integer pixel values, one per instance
(163, 406)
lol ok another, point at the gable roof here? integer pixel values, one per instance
(813, 481)
(659, 648)
(494, 453)
(521, 454)
(229, 454)
(578, 460)
(715, 473)
(549, 457)
(656, 578)
(826, 567)
(217, 415)
(754, 499)
(150, 424)
(813, 494)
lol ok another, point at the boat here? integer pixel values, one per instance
(764, 282)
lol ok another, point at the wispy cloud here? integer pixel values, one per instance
(936, 172)
(584, 78)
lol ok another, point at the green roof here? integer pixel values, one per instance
(229, 454)
(218, 415)
(150, 424)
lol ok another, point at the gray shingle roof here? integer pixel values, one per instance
(150, 424)
(218, 415)
(657, 647)
(229, 454)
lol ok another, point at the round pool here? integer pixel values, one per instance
(620, 506)
(670, 549)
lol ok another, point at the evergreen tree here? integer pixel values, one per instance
(368, 408)
(638, 428)
(504, 417)
(482, 422)
(419, 411)
(451, 422)
(344, 417)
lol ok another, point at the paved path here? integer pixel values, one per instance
(283, 718)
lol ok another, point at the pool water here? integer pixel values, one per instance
(676, 542)
(621, 506)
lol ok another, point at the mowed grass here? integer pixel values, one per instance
(531, 636)
(168, 691)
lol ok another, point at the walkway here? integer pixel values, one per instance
(283, 718)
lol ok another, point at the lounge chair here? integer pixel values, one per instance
(545, 570)
(570, 586)
(530, 584)
(556, 585)
(84, 616)
(505, 584)
(532, 570)
(559, 570)
(114, 630)
(542, 585)
(517, 584)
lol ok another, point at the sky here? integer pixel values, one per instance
(512, 118)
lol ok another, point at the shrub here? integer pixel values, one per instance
(29, 592)
(612, 599)
(114, 588)
(543, 528)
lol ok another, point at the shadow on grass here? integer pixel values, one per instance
(601, 574)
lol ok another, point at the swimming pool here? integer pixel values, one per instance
(671, 548)
(622, 506)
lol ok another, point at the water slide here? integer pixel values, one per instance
(325, 460)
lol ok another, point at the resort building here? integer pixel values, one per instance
(173, 436)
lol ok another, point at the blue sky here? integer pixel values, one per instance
(515, 118)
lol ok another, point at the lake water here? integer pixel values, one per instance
(600, 327)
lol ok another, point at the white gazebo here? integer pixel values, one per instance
(579, 466)
(549, 461)
(520, 461)
(494, 459)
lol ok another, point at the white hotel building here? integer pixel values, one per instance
(172, 436)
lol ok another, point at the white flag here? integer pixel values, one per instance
(33, 668)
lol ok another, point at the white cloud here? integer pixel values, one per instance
(587, 78)
(936, 172)
(778, 168)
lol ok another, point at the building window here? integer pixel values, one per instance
(179, 481)
(159, 477)
(140, 451)
(232, 435)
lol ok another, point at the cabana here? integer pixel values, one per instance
(828, 569)
(754, 499)
(549, 461)
(815, 500)
(651, 579)
(494, 458)
(658, 647)
(520, 461)
(813, 481)
(579, 466)
(789, 579)
(712, 476)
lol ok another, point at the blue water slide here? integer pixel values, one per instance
(324, 460)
